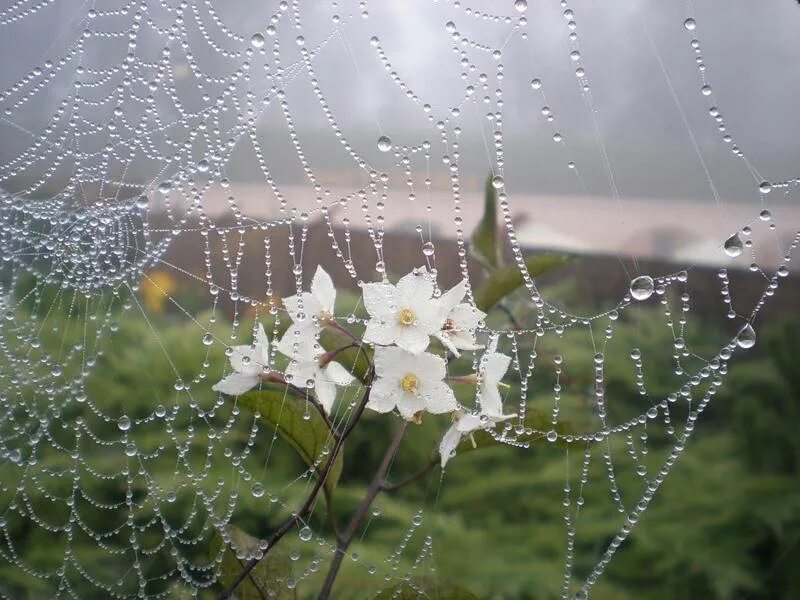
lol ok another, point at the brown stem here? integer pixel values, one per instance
(358, 518)
(390, 487)
(309, 502)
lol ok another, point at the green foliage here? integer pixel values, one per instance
(506, 281)
(268, 578)
(300, 424)
(426, 589)
(486, 245)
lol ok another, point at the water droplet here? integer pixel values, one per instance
(124, 423)
(552, 435)
(498, 182)
(305, 533)
(642, 287)
(141, 202)
(765, 187)
(164, 187)
(536, 83)
(733, 246)
(690, 24)
(746, 337)
(705, 90)
(521, 5)
(208, 339)
(257, 40)
(428, 249)
(257, 490)
(384, 143)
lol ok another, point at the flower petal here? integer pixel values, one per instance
(417, 284)
(412, 339)
(323, 291)
(378, 298)
(262, 345)
(236, 383)
(326, 392)
(450, 299)
(449, 443)
(447, 341)
(304, 336)
(429, 367)
(379, 332)
(245, 359)
(409, 405)
(383, 395)
(336, 373)
(390, 361)
(438, 398)
(469, 423)
(489, 400)
(494, 366)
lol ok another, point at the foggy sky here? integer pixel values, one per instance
(751, 50)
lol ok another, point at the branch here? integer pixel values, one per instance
(390, 487)
(358, 518)
(306, 507)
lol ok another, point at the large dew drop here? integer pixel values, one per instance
(521, 5)
(384, 144)
(746, 337)
(257, 41)
(733, 246)
(642, 287)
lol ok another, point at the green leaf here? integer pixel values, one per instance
(356, 360)
(485, 246)
(265, 581)
(428, 589)
(300, 424)
(504, 281)
(535, 420)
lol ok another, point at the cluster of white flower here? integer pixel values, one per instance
(406, 376)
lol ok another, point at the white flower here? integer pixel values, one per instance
(492, 368)
(465, 424)
(305, 371)
(406, 314)
(460, 320)
(411, 383)
(248, 363)
(316, 303)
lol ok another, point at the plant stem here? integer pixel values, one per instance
(390, 487)
(305, 509)
(378, 482)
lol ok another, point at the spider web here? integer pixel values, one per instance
(125, 134)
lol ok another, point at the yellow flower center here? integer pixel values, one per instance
(410, 383)
(406, 316)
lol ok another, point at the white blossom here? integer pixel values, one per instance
(305, 371)
(308, 310)
(248, 363)
(412, 383)
(460, 320)
(406, 314)
(493, 367)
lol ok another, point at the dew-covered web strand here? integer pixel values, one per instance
(175, 175)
